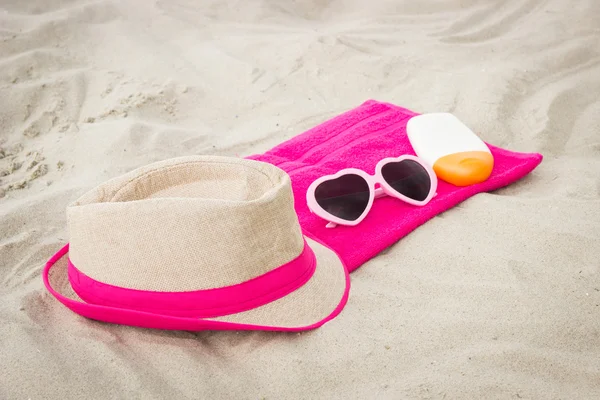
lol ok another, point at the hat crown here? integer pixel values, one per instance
(186, 224)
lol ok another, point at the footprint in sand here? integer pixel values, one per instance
(19, 168)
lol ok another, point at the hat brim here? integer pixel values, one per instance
(319, 300)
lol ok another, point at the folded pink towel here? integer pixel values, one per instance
(360, 138)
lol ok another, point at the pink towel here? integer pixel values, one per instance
(360, 138)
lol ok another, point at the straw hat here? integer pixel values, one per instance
(196, 243)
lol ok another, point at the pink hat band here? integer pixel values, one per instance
(201, 303)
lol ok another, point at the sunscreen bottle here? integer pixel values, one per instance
(456, 154)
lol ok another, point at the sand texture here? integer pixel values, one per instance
(497, 298)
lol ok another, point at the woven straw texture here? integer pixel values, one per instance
(184, 224)
(309, 304)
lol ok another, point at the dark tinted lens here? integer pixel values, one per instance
(346, 197)
(409, 178)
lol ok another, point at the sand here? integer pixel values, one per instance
(497, 298)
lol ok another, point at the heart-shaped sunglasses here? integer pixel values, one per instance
(346, 197)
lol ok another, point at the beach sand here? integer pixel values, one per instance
(497, 298)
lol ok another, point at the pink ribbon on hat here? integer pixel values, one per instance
(201, 303)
